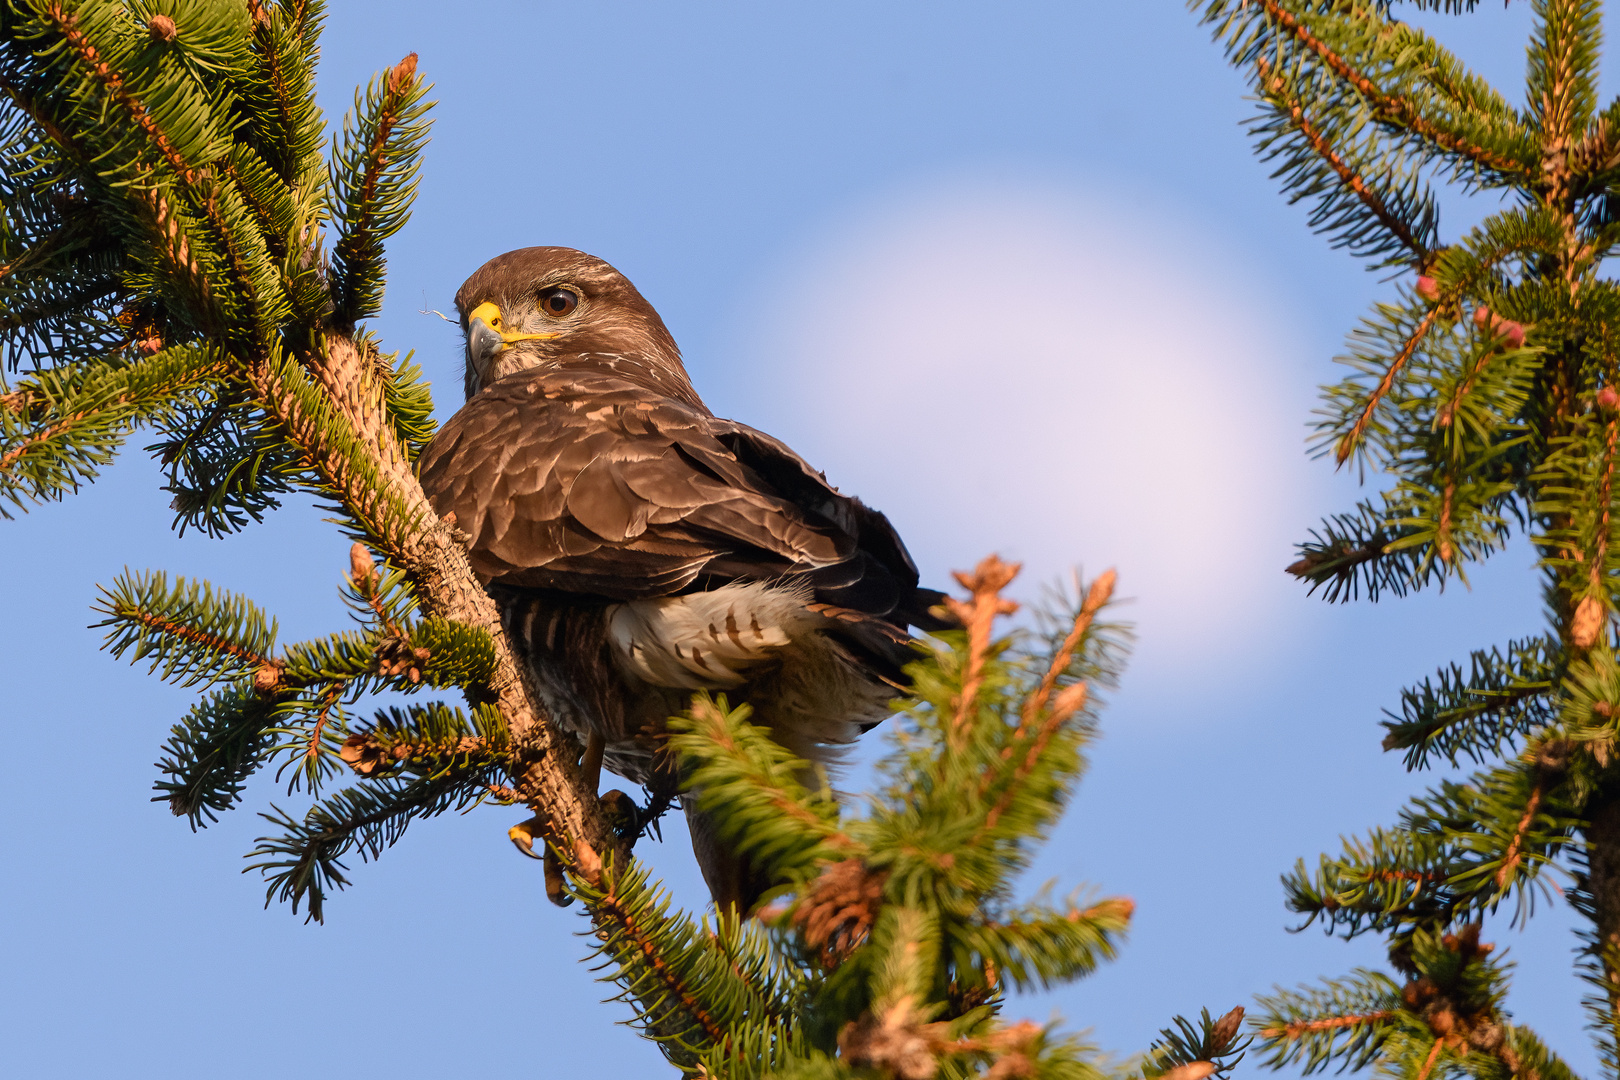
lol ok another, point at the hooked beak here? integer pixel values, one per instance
(487, 335)
(483, 342)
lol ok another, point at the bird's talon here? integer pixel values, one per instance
(522, 837)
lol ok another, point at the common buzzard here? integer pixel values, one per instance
(642, 549)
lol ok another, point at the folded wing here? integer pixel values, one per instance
(578, 479)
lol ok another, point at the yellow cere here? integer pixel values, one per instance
(491, 314)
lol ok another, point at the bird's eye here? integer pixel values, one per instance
(559, 302)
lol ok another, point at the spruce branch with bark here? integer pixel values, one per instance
(1482, 395)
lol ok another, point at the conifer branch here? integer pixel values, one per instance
(430, 740)
(212, 752)
(1510, 861)
(91, 61)
(278, 38)
(1349, 179)
(58, 427)
(1100, 592)
(1068, 703)
(1428, 1062)
(1511, 422)
(1563, 61)
(1504, 696)
(621, 926)
(1351, 440)
(193, 633)
(753, 785)
(304, 863)
(1294, 1029)
(375, 188)
(30, 106)
(712, 995)
(1391, 108)
(1591, 614)
(1342, 1020)
(1036, 948)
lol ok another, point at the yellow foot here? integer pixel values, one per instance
(523, 836)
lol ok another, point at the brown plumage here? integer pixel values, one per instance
(643, 548)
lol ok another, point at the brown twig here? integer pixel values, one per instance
(1428, 1063)
(1590, 614)
(1442, 533)
(1294, 1029)
(1069, 702)
(1031, 724)
(1101, 591)
(1348, 177)
(1510, 861)
(1426, 877)
(1349, 441)
(329, 700)
(194, 636)
(977, 614)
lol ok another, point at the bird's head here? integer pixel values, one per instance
(542, 305)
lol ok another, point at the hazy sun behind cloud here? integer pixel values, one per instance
(1015, 367)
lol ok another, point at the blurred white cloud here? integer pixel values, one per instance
(1011, 364)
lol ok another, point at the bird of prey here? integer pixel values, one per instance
(642, 549)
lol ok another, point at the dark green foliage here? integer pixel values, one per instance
(374, 171)
(60, 426)
(211, 754)
(304, 863)
(408, 398)
(167, 194)
(1502, 699)
(192, 633)
(225, 467)
(698, 987)
(1485, 394)
(1363, 551)
(291, 705)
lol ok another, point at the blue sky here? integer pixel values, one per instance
(1010, 273)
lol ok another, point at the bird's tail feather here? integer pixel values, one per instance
(733, 882)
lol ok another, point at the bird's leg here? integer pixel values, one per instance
(591, 763)
(556, 883)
